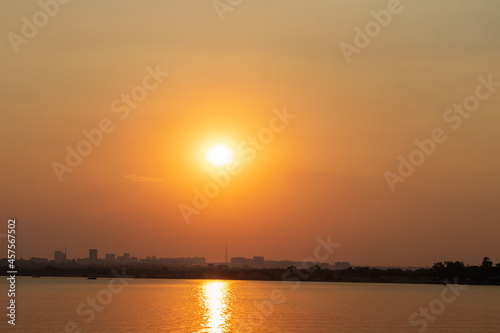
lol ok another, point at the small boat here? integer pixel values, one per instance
(92, 278)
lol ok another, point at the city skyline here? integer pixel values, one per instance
(223, 257)
(94, 253)
(125, 259)
(237, 261)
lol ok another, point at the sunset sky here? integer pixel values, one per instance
(323, 174)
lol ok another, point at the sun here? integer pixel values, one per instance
(219, 155)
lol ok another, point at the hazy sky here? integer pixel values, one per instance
(323, 174)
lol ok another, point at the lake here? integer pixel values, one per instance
(153, 305)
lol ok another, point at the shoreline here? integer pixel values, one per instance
(291, 274)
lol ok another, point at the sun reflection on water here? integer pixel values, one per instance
(215, 299)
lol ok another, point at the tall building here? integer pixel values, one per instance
(110, 257)
(93, 256)
(59, 257)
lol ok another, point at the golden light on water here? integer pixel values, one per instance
(216, 299)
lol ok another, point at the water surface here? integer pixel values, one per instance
(154, 305)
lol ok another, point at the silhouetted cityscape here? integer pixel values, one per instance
(111, 259)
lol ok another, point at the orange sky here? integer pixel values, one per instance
(323, 174)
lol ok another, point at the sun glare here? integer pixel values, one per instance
(219, 155)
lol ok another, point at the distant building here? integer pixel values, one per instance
(149, 260)
(258, 262)
(93, 256)
(342, 265)
(37, 260)
(239, 261)
(83, 261)
(182, 262)
(124, 258)
(110, 257)
(59, 257)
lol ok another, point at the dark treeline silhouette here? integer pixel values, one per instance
(441, 272)
(486, 273)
